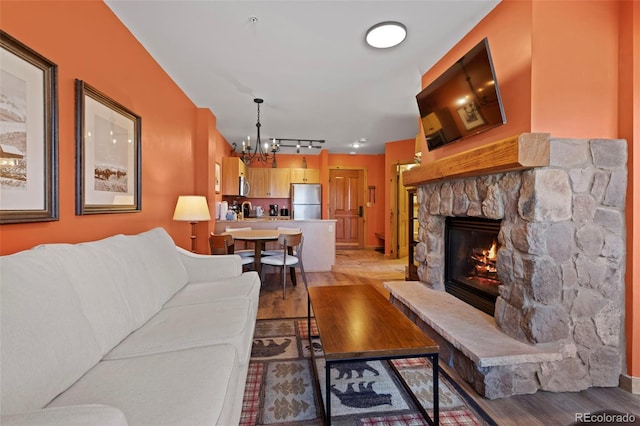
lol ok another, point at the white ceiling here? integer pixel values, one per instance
(306, 59)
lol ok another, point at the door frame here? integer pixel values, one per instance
(394, 221)
(363, 236)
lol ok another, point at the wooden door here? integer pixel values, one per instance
(403, 216)
(398, 218)
(346, 205)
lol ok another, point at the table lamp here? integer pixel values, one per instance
(192, 209)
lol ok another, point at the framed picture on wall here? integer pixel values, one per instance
(28, 134)
(470, 116)
(217, 178)
(108, 154)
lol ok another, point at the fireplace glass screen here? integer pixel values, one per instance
(470, 259)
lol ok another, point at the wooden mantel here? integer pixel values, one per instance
(519, 152)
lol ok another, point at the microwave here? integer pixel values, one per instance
(243, 187)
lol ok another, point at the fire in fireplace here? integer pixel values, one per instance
(471, 248)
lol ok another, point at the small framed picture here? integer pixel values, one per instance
(217, 177)
(28, 134)
(108, 154)
(470, 116)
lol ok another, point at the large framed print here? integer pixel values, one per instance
(108, 154)
(28, 134)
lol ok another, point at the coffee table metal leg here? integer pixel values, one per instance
(431, 420)
(327, 372)
(309, 322)
(323, 413)
(436, 390)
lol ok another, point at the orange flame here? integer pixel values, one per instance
(492, 254)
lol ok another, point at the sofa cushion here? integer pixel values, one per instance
(157, 252)
(75, 415)
(180, 327)
(47, 342)
(133, 272)
(148, 270)
(191, 387)
(95, 273)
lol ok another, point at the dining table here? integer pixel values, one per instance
(260, 237)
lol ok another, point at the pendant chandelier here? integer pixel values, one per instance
(261, 152)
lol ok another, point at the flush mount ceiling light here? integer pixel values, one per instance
(358, 144)
(386, 34)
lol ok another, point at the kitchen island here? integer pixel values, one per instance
(319, 250)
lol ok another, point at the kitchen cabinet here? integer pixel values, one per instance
(305, 176)
(280, 183)
(232, 169)
(268, 182)
(259, 182)
(412, 211)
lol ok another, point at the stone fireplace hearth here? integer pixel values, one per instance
(561, 257)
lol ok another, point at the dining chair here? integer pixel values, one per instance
(285, 260)
(245, 252)
(224, 244)
(277, 252)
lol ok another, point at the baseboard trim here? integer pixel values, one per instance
(630, 384)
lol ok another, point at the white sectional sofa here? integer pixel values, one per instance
(129, 330)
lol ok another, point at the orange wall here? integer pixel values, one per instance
(210, 147)
(570, 68)
(508, 28)
(575, 69)
(373, 166)
(88, 42)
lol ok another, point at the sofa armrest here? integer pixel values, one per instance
(73, 415)
(202, 267)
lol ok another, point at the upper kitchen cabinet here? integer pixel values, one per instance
(280, 183)
(268, 182)
(305, 176)
(232, 169)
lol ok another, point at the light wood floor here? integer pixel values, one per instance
(370, 267)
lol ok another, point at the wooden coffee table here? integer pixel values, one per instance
(357, 323)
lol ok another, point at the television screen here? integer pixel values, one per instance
(463, 101)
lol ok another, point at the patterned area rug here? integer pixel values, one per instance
(281, 388)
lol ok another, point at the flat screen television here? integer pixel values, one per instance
(463, 101)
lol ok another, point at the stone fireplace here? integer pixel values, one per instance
(561, 252)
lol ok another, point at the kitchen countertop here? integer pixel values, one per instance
(319, 252)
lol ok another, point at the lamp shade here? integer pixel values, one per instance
(191, 208)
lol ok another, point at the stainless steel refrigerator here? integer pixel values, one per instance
(306, 201)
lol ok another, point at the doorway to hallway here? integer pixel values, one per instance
(346, 206)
